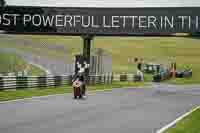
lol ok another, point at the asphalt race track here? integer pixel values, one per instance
(133, 110)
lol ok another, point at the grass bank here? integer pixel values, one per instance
(190, 124)
(10, 62)
(27, 93)
(151, 49)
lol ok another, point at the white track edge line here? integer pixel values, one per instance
(162, 130)
(38, 97)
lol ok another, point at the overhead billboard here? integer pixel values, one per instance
(99, 21)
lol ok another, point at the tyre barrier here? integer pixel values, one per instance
(157, 78)
(24, 82)
(187, 74)
(179, 74)
(123, 77)
(137, 78)
(161, 76)
(42, 82)
(184, 74)
(1, 83)
(21, 82)
(58, 81)
(100, 79)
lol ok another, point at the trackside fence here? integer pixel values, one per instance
(22, 82)
(13, 82)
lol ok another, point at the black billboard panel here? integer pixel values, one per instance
(99, 21)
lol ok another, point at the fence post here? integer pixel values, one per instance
(116, 77)
(99, 79)
(133, 78)
(123, 77)
(50, 80)
(21, 82)
(111, 77)
(42, 81)
(108, 78)
(129, 79)
(69, 79)
(32, 81)
(1, 83)
(93, 79)
(104, 77)
(105, 81)
(62, 80)
(58, 81)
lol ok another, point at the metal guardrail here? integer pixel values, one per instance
(126, 77)
(23, 82)
(11, 82)
(14, 82)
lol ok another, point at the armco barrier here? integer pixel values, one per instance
(1, 83)
(32, 82)
(100, 79)
(9, 82)
(123, 77)
(42, 82)
(12, 82)
(21, 82)
(58, 80)
(137, 78)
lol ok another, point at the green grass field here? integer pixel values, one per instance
(11, 62)
(188, 125)
(151, 49)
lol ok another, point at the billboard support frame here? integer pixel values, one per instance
(86, 50)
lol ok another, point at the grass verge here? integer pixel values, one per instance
(28, 93)
(11, 62)
(190, 124)
(152, 49)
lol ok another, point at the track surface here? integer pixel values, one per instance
(133, 110)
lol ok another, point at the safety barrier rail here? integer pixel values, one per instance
(21, 82)
(14, 82)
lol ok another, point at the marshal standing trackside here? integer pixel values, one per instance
(102, 21)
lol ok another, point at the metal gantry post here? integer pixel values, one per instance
(86, 51)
